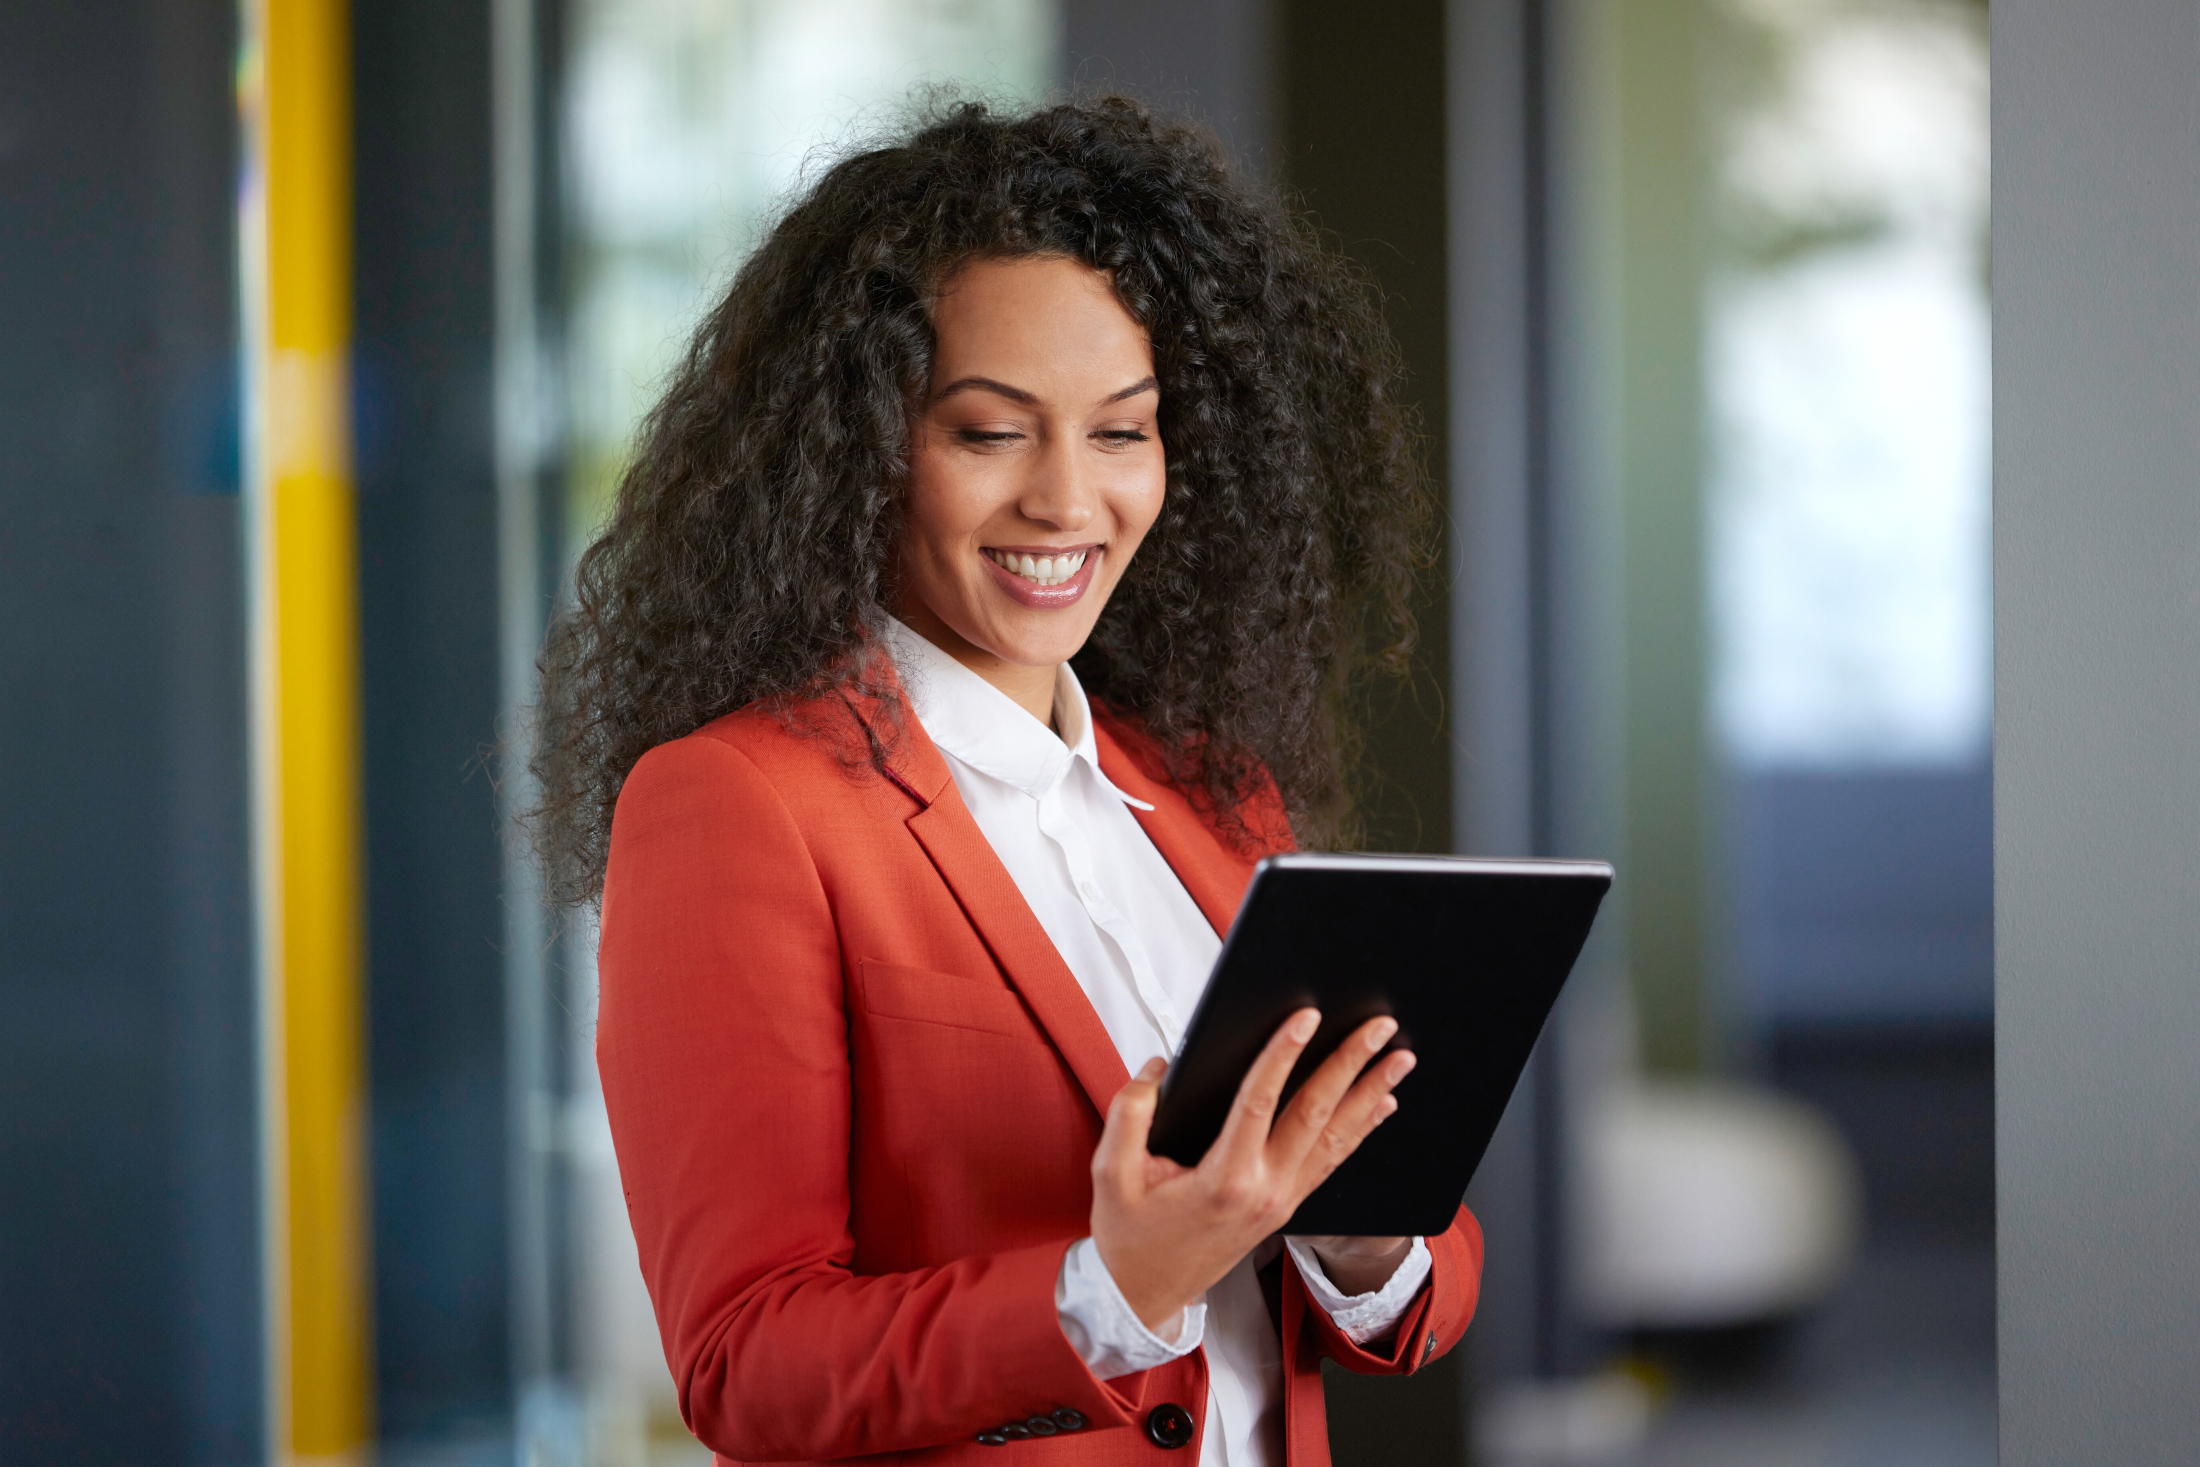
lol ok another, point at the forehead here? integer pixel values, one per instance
(1039, 315)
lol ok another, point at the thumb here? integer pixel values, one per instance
(1130, 1121)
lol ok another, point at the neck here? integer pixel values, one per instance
(1030, 688)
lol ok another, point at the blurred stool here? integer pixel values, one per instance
(1707, 1204)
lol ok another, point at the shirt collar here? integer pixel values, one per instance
(978, 724)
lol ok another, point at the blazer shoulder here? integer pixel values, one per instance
(767, 737)
(694, 781)
(721, 754)
(813, 759)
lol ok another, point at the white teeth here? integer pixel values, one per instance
(1046, 570)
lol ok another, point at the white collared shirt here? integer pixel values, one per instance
(1142, 951)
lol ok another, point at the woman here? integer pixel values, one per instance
(895, 903)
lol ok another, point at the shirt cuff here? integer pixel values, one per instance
(1105, 1331)
(1364, 1317)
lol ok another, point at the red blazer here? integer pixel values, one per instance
(855, 1094)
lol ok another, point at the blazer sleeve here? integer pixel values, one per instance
(1433, 1323)
(723, 1046)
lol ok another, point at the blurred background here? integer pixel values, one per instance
(323, 338)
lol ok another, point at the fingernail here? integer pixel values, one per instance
(1380, 1034)
(1303, 1027)
(1401, 1065)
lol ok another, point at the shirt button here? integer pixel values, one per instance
(1092, 893)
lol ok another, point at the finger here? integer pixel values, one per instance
(1367, 1106)
(1122, 1147)
(1245, 1129)
(1318, 1099)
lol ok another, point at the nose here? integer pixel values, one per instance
(1060, 491)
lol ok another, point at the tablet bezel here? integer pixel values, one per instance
(1169, 1128)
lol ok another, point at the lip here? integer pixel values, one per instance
(1035, 551)
(1044, 598)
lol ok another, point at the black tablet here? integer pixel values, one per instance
(1468, 955)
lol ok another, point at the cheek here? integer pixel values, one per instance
(1139, 500)
(936, 508)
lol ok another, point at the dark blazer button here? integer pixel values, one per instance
(1169, 1426)
(1015, 1431)
(1041, 1425)
(991, 1439)
(1069, 1419)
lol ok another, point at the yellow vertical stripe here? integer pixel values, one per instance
(307, 636)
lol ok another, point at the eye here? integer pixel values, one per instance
(1120, 437)
(986, 437)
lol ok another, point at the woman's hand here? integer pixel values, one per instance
(1168, 1233)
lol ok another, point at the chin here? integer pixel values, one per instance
(1041, 650)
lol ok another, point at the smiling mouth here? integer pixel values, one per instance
(1040, 570)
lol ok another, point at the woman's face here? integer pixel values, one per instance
(1036, 466)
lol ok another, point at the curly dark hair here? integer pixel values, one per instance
(750, 555)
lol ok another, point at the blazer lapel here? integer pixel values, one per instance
(988, 896)
(1003, 919)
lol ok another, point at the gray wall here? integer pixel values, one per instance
(2097, 728)
(129, 1271)
(1861, 898)
(1212, 59)
(1361, 148)
(424, 297)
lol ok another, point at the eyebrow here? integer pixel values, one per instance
(1017, 394)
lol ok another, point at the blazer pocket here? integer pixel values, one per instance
(892, 991)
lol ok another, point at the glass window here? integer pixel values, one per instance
(1847, 354)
